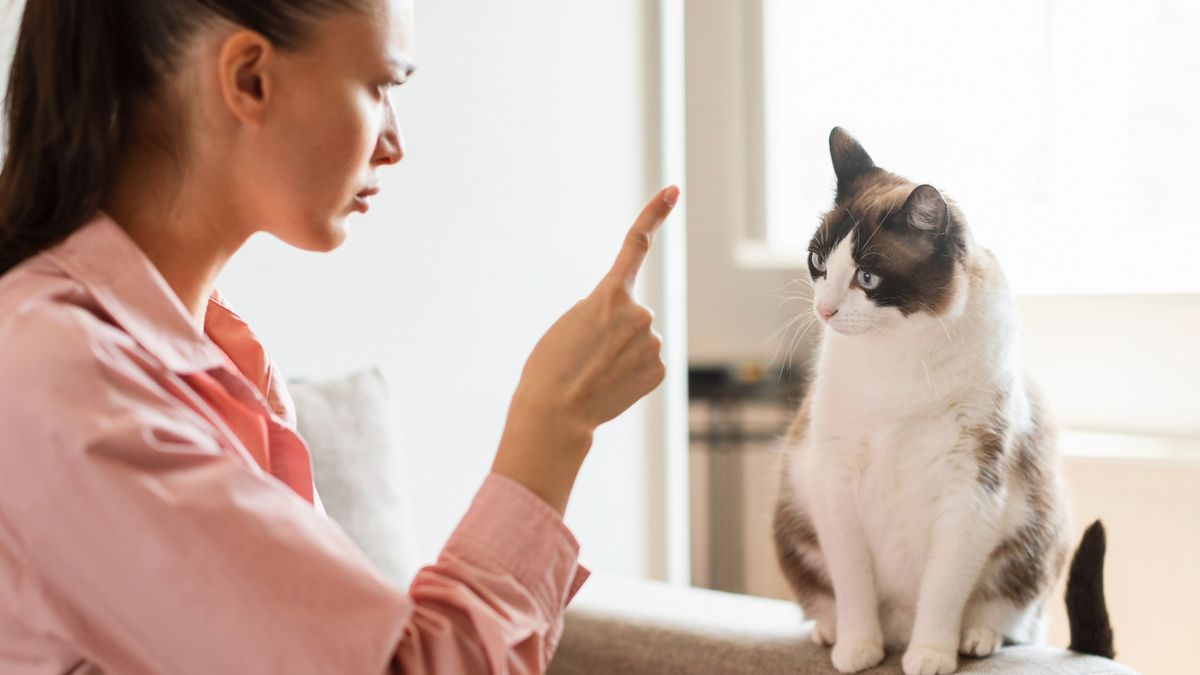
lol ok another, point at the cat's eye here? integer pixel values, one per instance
(817, 261)
(867, 280)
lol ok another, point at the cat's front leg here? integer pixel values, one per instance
(859, 637)
(965, 532)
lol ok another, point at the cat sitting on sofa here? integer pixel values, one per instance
(921, 505)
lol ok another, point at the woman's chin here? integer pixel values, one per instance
(320, 237)
(336, 233)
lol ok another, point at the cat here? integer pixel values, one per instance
(921, 504)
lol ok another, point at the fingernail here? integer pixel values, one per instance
(671, 195)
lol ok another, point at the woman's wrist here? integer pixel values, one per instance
(543, 449)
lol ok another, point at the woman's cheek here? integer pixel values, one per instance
(342, 153)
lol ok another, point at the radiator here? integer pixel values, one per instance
(737, 417)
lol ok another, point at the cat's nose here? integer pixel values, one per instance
(826, 312)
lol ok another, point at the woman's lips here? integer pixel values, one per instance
(360, 200)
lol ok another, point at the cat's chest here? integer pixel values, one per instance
(891, 478)
(891, 469)
(887, 459)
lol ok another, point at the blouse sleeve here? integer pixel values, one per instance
(140, 542)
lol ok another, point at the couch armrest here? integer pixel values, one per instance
(638, 627)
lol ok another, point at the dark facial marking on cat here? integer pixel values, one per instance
(907, 235)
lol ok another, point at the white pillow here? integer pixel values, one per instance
(350, 426)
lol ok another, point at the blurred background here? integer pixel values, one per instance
(535, 130)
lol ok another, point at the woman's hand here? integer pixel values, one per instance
(598, 359)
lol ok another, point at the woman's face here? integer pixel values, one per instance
(330, 127)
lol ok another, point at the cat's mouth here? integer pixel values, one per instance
(848, 325)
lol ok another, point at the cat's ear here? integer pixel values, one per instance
(850, 160)
(926, 210)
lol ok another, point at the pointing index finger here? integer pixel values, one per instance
(641, 235)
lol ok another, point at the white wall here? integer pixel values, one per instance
(10, 19)
(526, 136)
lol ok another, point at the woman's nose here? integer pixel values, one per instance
(390, 148)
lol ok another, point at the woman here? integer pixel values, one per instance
(157, 509)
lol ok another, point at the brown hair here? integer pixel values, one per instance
(78, 69)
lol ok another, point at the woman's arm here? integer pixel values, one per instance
(593, 363)
(132, 537)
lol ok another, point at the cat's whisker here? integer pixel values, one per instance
(799, 340)
(783, 328)
(793, 282)
(937, 397)
(784, 299)
(786, 352)
(881, 220)
(944, 329)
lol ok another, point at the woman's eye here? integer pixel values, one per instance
(867, 280)
(384, 89)
(817, 261)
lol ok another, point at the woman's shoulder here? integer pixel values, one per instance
(49, 321)
(73, 382)
(58, 348)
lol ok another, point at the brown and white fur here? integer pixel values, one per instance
(921, 504)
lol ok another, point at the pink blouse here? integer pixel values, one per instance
(158, 512)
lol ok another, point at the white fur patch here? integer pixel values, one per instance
(836, 290)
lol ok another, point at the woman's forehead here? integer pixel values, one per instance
(384, 31)
(397, 21)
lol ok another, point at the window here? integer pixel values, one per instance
(1068, 131)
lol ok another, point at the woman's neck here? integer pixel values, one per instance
(178, 221)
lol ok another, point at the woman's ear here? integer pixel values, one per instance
(245, 76)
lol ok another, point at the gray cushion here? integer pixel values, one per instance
(350, 426)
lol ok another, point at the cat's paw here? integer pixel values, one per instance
(851, 657)
(824, 634)
(979, 641)
(929, 661)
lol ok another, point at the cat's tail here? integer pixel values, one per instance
(1091, 632)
